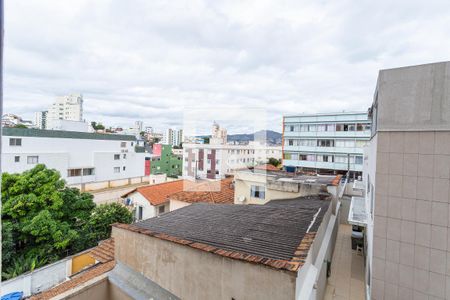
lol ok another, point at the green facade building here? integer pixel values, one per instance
(165, 162)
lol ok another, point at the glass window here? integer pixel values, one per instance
(31, 160)
(124, 156)
(88, 171)
(15, 142)
(303, 128)
(124, 168)
(312, 128)
(291, 142)
(358, 160)
(16, 158)
(287, 155)
(321, 127)
(311, 157)
(339, 127)
(257, 191)
(161, 209)
(116, 156)
(331, 127)
(302, 157)
(123, 144)
(117, 169)
(73, 172)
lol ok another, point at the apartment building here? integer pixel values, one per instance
(65, 108)
(172, 137)
(164, 161)
(40, 119)
(406, 179)
(80, 157)
(328, 142)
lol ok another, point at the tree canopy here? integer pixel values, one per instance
(43, 220)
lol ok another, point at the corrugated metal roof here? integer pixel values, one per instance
(273, 232)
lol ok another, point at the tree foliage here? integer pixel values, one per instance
(43, 220)
(274, 162)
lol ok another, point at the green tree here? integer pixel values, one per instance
(99, 225)
(274, 162)
(43, 221)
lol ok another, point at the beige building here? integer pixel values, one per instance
(406, 174)
(259, 186)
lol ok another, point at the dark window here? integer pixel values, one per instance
(116, 156)
(161, 209)
(124, 168)
(88, 171)
(15, 142)
(257, 192)
(140, 212)
(73, 172)
(17, 158)
(123, 144)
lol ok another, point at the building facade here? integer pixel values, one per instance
(406, 179)
(165, 162)
(65, 108)
(40, 119)
(329, 142)
(79, 157)
(173, 137)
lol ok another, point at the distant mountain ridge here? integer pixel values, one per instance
(272, 137)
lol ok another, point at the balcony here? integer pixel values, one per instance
(343, 150)
(322, 165)
(328, 134)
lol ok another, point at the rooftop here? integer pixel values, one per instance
(275, 235)
(62, 134)
(208, 192)
(158, 194)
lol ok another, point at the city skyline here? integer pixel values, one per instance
(151, 61)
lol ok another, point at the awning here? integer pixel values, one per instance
(357, 214)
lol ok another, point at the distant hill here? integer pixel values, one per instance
(272, 137)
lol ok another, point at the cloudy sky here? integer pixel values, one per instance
(155, 60)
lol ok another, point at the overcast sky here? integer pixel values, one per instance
(153, 60)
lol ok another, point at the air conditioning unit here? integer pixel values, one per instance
(241, 198)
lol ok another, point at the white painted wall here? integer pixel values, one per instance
(149, 211)
(68, 153)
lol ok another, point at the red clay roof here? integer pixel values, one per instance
(208, 192)
(158, 194)
(104, 252)
(267, 167)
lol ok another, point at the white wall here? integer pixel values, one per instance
(149, 211)
(69, 153)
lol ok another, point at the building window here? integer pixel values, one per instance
(325, 143)
(124, 156)
(73, 172)
(140, 213)
(116, 156)
(291, 142)
(123, 144)
(358, 160)
(88, 171)
(116, 169)
(132, 144)
(16, 158)
(15, 142)
(161, 209)
(124, 168)
(32, 160)
(257, 191)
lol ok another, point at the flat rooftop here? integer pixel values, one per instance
(273, 234)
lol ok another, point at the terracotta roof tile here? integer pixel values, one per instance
(104, 252)
(267, 167)
(158, 194)
(208, 192)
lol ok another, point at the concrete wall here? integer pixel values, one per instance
(100, 290)
(176, 204)
(100, 185)
(193, 274)
(414, 98)
(285, 190)
(40, 279)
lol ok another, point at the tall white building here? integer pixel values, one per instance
(172, 137)
(218, 135)
(328, 142)
(65, 108)
(80, 157)
(40, 119)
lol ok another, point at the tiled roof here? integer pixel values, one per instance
(158, 194)
(208, 192)
(275, 236)
(104, 253)
(267, 167)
